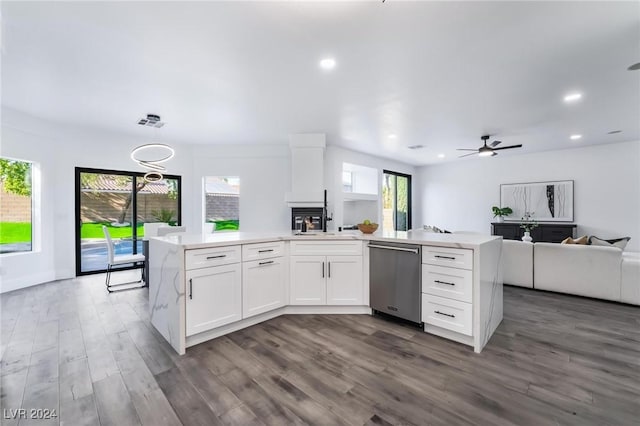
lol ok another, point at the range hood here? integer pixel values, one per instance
(307, 170)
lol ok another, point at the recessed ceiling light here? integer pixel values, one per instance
(572, 97)
(575, 137)
(415, 146)
(613, 132)
(393, 136)
(440, 155)
(634, 67)
(328, 63)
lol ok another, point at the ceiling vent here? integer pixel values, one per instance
(152, 120)
(415, 146)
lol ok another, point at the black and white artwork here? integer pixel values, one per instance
(543, 201)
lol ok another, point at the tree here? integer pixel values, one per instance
(16, 176)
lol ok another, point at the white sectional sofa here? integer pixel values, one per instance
(594, 271)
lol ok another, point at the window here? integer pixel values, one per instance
(123, 202)
(16, 201)
(396, 201)
(222, 202)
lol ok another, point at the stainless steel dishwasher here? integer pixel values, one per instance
(395, 278)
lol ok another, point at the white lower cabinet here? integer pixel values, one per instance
(344, 280)
(263, 286)
(326, 280)
(447, 313)
(214, 297)
(308, 280)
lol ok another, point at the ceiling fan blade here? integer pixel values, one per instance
(466, 155)
(508, 147)
(495, 143)
(465, 149)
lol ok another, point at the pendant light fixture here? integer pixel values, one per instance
(150, 156)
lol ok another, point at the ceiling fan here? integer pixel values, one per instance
(487, 150)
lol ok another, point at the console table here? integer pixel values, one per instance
(543, 233)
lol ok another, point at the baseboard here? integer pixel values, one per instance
(26, 281)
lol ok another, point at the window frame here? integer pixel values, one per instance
(34, 199)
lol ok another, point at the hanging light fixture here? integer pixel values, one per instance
(150, 156)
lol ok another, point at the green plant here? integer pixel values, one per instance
(164, 215)
(527, 223)
(501, 211)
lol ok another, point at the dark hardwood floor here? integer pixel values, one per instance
(94, 358)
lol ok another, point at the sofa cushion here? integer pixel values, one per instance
(584, 240)
(590, 271)
(517, 263)
(620, 243)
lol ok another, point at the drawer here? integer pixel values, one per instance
(444, 256)
(262, 251)
(453, 283)
(326, 248)
(215, 256)
(447, 313)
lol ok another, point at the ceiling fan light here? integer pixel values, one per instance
(487, 153)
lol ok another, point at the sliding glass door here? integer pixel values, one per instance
(110, 198)
(396, 201)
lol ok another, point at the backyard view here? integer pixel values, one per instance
(109, 199)
(395, 202)
(16, 204)
(222, 202)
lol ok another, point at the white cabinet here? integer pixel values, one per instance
(263, 286)
(214, 297)
(326, 279)
(308, 280)
(344, 280)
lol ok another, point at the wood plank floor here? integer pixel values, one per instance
(95, 359)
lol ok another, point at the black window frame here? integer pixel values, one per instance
(409, 200)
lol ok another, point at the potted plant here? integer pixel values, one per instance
(499, 212)
(527, 223)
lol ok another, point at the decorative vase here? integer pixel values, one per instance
(500, 219)
(527, 237)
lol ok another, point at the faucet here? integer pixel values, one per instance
(325, 215)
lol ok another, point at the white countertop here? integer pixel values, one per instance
(194, 241)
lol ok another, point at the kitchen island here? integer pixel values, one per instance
(203, 286)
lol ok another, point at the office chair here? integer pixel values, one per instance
(138, 261)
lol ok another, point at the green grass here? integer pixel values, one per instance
(94, 230)
(227, 225)
(15, 232)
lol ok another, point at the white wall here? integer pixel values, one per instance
(265, 177)
(58, 150)
(459, 195)
(335, 156)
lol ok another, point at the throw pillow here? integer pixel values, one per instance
(621, 243)
(584, 240)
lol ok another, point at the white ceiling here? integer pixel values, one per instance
(439, 74)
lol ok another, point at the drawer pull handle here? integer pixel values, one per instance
(445, 257)
(190, 288)
(265, 251)
(446, 315)
(216, 257)
(443, 282)
(266, 263)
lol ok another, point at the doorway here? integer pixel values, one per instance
(110, 198)
(396, 201)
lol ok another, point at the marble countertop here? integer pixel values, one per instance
(219, 239)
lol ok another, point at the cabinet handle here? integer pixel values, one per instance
(446, 315)
(329, 268)
(266, 263)
(216, 257)
(190, 288)
(445, 257)
(265, 251)
(443, 282)
(322, 269)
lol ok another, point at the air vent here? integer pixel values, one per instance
(152, 120)
(415, 146)
(613, 132)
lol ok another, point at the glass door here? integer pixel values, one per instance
(396, 201)
(110, 198)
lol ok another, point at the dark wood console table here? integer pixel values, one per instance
(543, 233)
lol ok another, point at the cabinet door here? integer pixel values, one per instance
(308, 280)
(214, 297)
(263, 286)
(344, 280)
